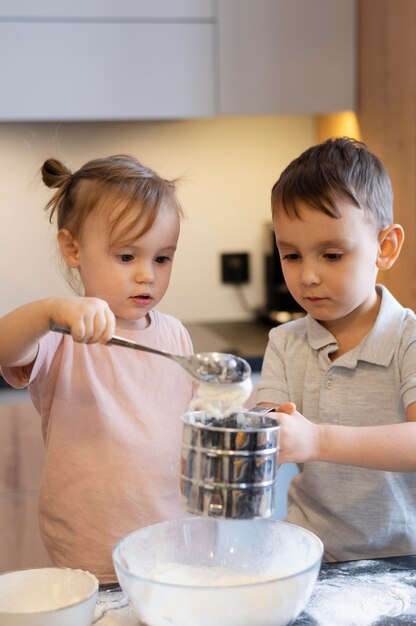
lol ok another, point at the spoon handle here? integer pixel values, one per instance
(115, 340)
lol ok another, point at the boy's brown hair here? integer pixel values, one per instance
(340, 168)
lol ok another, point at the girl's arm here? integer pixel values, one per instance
(90, 320)
(390, 447)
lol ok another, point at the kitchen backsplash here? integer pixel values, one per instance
(226, 168)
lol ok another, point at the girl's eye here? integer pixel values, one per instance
(333, 256)
(126, 258)
(162, 259)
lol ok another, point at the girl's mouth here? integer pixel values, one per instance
(142, 300)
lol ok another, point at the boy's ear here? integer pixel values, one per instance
(390, 241)
(69, 247)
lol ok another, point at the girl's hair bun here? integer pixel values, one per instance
(55, 174)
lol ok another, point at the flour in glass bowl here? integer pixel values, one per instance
(197, 576)
(234, 600)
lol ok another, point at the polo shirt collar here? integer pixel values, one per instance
(378, 345)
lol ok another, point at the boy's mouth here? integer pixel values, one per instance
(313, 298)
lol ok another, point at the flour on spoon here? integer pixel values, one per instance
(219, 400)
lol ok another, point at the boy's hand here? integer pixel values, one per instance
(90, 319)
(299, 437)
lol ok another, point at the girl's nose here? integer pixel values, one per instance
(144, 273)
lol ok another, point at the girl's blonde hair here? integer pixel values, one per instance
(118, 182)
(136, 189)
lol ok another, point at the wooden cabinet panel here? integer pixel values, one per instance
(22, 449)
(20, 543)
(21, 464)
(387, 117)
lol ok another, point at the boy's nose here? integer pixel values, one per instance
(309, 275)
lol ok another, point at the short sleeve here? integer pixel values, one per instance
(273, 383)
(408, 374)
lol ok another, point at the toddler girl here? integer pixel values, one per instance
(110, 416)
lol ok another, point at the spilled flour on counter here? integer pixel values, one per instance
(113, 609)
(362, 600)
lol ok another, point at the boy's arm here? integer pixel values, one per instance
(390, 447)
(90, 320)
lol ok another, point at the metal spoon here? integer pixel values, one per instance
(205, 367)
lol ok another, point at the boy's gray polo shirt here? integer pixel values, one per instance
(358, 513)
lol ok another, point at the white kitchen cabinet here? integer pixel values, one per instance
(108, 9)
(286, 56)
(91, 60)
(166, 59)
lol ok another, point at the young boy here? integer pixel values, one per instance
(344, 376)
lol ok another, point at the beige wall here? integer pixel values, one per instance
(227, 167)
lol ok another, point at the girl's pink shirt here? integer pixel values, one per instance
(112, 430)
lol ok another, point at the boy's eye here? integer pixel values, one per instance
(126, 258)
(162, 259)
(291, 257)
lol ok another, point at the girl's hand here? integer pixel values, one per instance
(299, 437)
(90, 319)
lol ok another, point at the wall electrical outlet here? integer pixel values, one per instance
(235, 268)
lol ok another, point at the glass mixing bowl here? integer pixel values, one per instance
(207, 572)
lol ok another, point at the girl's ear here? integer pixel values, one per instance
(390, 241)
(69, 247)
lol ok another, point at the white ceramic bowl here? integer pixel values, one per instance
(47, 596)
(206, 572)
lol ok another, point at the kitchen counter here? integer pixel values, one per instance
(376, 592)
